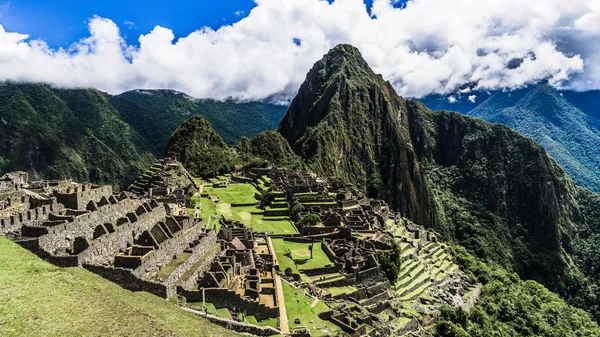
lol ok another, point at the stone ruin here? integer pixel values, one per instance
(122, 237)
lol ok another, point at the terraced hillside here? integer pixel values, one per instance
(163, 175)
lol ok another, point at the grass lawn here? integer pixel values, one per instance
(301, 255)
(39, 299)
(298, 306)
(235, 193)
(334, 291)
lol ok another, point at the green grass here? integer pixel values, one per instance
(298, 306)
(243, 194)
(334, 291)
(301, 255)
(235, 193)
(284, 260)
(39, 299)
(169, 268)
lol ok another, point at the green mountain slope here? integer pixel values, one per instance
(483, 186)
(56, 133)
(39, 299)
(569, 135)
(346, 121)
(155, 114)
(200, 149)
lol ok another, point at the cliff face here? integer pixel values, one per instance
(346, 121)
(499, 193)
(484, 186)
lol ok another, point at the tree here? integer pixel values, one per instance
(309, 220)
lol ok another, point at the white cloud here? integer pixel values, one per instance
(472, 98)
(129, 24)
(431, 46)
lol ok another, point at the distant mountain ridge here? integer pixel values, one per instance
(565, 123)
(89, 135)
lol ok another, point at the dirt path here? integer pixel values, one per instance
(314, 303)
(283, 321)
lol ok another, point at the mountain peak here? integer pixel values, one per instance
(343, 67)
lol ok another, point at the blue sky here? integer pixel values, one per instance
(62, 22)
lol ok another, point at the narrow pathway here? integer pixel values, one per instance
(314, 303)
(283, 321)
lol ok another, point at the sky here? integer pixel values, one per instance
(257, 49)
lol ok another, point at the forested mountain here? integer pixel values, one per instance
(155, 114)
(56, 133)
(91, 136)
(483, 186)
(566, 123)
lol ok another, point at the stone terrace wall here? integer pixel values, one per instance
(198, 252)
(102, 250)
(167, 250)
(16, 221)
(223, 298)
(240, 327)
(126, 279)
(190, 282)
(60, 237)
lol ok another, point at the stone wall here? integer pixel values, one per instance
(198, 252)
(78, 197)
(102, 250)
(60, 237)
(223, 298)
(167, 250)
(16, 221)
(126, 279)
(240, 327)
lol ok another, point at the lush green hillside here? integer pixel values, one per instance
(200, 149)
(565, 123)
(39, 299)
(204, 153)
(509, 306)
(56, 133)
(497, 192)
(569, 135)
(483, 186)
(155, 114)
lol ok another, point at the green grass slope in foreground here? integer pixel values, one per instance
(39, 299)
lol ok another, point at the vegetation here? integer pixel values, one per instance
(511, 307)
(155, 114)
(569, 135)
(39, 299)
(200, 149)
(310, 220)
(586, 253)
(57, 133)
(391, 262)
(298, 306)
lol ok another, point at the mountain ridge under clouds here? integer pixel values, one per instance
(553, 118)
